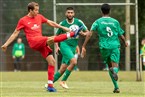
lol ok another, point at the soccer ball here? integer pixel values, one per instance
(74, 28)
(46, 85)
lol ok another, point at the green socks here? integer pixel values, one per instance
(66, 75)
(56, 76)
(106, 65)
(114, 81)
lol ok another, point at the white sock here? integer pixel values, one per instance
(50, 82)
(68, 35)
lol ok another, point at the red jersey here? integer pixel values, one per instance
(32, 26)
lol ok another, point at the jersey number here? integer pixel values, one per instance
(110, 33)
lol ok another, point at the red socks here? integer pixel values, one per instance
(51, 70)
(63, 37)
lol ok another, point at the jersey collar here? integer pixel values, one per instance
(106, 17)
(69, 22)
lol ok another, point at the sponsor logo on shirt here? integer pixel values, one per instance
(107, 23)
(29, 22)
(35, 26)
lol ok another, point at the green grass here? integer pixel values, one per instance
(82, 84)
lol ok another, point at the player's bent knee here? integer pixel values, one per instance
(50, 40)
(74, 61)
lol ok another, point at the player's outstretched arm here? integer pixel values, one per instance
(54, 24)
(10, 40)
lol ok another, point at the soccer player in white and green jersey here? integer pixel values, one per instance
(109, 31)
(68, 47)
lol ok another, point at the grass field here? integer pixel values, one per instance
(82, 84)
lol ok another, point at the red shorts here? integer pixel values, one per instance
(39, 43)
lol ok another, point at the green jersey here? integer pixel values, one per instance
(108, 30)
(76, 22)
(18, 50)
(143, 50)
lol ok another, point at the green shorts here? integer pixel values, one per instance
(111, 55)
(67, 52)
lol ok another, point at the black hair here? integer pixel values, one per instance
(105, 8)
(69, 8)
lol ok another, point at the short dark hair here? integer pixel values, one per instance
(69, 8)
(32, 5)
(105, 8)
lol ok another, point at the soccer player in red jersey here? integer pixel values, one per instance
(32, 26)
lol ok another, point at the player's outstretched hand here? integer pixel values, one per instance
(83, 53)
(4, 48)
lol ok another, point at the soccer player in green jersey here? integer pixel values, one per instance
(142, 52)
(109, 31)
(68, 47)
(18, 54)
